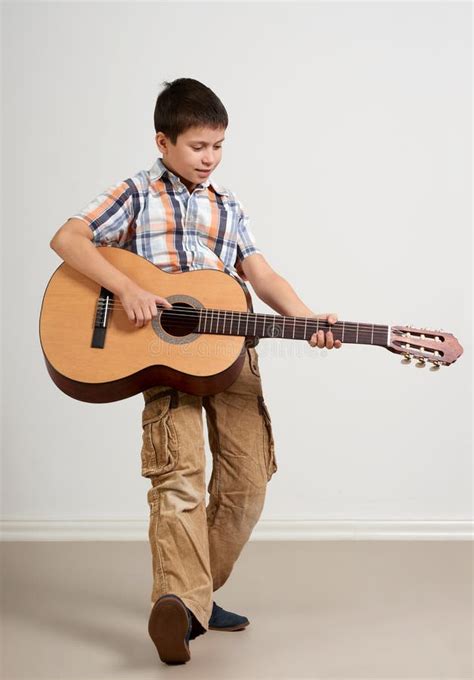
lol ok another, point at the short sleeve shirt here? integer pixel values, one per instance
(153, 214)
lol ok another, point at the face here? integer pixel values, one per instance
(197, 152)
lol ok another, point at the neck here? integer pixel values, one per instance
(226, 322)
(189, 185)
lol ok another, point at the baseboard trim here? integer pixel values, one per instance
(266, 530)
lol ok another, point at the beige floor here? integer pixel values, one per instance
(334, 609)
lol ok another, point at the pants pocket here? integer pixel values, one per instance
(159, 452)
(253, 361)
(268, 440)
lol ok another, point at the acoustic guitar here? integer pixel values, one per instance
(94, 353)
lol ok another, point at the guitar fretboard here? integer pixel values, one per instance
(226, 322)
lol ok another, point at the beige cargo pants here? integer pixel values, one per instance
(195, 547)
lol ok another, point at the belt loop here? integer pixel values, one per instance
(174, 401)
(174, 394)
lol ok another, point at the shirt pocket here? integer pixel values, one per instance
(210, 223)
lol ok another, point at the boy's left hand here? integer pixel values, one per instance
(322, 339)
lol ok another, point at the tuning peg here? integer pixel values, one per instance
(435, 366)
(406, 359)
(421, 363)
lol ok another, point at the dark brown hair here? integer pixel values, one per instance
(186, 103)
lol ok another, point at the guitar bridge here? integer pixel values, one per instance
(102, 315)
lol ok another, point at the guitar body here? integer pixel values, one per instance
(118, 360)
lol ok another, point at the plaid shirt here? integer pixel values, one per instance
(153, 214)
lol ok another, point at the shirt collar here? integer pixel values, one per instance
(158, 169)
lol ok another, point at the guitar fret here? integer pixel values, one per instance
(229, 322)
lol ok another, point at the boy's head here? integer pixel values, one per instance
(190, 122)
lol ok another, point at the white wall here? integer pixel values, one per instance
(350, 145)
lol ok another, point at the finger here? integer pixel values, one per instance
(337, 344)
(146, 314)
(321, 339)
(130, 314)
(329, 340)
(139, 317)
(164, 302)
(332, 318)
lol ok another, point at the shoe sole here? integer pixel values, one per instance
(240, 626)
(168, 626)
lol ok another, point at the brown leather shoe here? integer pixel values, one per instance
(169, 627)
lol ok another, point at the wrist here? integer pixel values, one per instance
(125, 285)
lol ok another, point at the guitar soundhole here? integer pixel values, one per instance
(182, 320)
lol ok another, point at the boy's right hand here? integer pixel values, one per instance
(140, 304)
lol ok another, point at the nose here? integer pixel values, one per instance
(209, 159)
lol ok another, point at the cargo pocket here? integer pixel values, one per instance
(253, 361)
(159, 452)
(153, 498)
(268, 441)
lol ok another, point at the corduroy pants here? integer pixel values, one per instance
(193, 546)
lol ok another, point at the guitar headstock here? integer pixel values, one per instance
(435, 346)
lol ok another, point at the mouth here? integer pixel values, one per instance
(203, 172)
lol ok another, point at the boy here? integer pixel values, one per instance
(180, 219)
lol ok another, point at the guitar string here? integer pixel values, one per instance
(379, 333)
(377, 336)
(211, 325)
(178, 312)
(376, 330)
(213, 311)
(289, 321)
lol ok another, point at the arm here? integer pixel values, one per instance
(73, 243)
(278, 294)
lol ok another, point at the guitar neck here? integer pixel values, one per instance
(226, 322)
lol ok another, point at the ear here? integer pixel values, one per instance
(161, 142)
